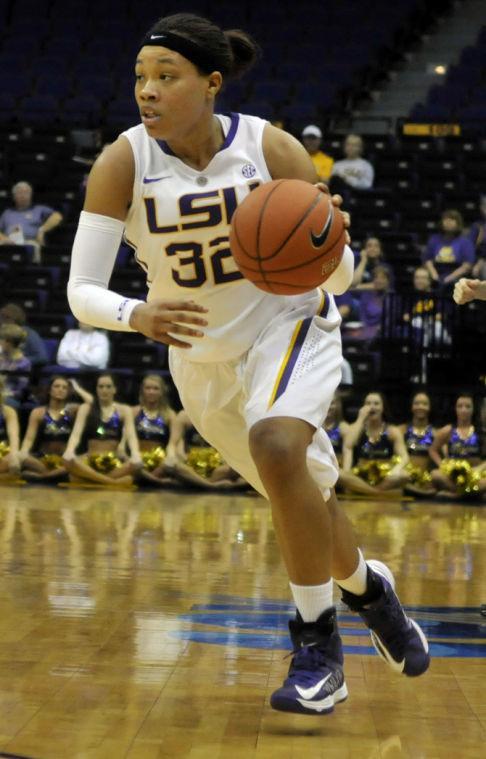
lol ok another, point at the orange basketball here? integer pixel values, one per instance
(287, 237)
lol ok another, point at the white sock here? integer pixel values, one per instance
(312, 600)
(357, 582)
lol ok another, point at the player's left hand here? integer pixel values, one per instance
(337, 202)
(41, 236)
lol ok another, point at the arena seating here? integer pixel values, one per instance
(463, 95)
(79, 70)
(78, 75)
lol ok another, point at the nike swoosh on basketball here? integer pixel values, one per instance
(320, 239)
(314, 690)
(147, 180)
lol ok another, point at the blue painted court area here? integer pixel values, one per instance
(451, 631)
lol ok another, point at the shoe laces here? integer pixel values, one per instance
(392, 630)
(305, 661)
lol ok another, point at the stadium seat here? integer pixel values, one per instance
(39, 109)
(51, 345)
(53, 325)
(32, 300)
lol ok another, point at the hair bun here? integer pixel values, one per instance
(245, 51)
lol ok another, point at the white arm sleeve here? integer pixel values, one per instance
(340, 280)
(93, 258)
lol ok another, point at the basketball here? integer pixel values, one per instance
(287, 237)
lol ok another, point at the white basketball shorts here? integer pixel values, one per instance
(292, 370)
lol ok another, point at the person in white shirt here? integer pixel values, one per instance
(84, 348)
(356, 172)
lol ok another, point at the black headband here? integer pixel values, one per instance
(190, 50)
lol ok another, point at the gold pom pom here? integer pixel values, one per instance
(52, 461)
(104, 462)
(154, 458)
(204, 460)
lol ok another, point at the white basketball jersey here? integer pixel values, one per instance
(178, 224)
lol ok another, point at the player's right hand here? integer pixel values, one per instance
(163, 321)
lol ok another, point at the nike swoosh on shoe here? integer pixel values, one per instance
(397, 666)
(307, 693)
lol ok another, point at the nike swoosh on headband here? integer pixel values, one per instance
(147, 180)
(320, 239)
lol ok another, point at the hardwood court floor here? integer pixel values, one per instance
(148, 625)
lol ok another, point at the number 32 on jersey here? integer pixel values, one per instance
(199, 211)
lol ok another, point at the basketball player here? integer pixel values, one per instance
(255, 372)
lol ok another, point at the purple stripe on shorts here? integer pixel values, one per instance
(325, 308)
(301, 335)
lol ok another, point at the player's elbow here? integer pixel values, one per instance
(76, 301)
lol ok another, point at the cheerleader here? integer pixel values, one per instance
(9, 438)
(419, 435)
(102, 424)
(154, 425)
(200, 464)
(377, 450)
(335, 427)
(456, 451)
(48, 431)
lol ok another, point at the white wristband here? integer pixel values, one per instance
(93, 258)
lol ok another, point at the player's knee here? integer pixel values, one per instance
(272, 446)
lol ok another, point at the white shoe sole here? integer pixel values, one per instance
(326, 704)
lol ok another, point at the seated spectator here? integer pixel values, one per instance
(347, 306)
(371, 256)
(374, 452)
(100, 427)
(461, 472)
(199, 464)
(12, 359)
(449, 255)
(311, 140)
(27, 224)
(84, 348)
(425, 315)
(335, 426)
(477, 235)
(354, 171)
(48, 431)
(34, 347)
(154, 425)
(371, 307)
(419, 435)
(9, 437)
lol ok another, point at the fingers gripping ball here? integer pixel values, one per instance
(287, 237)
